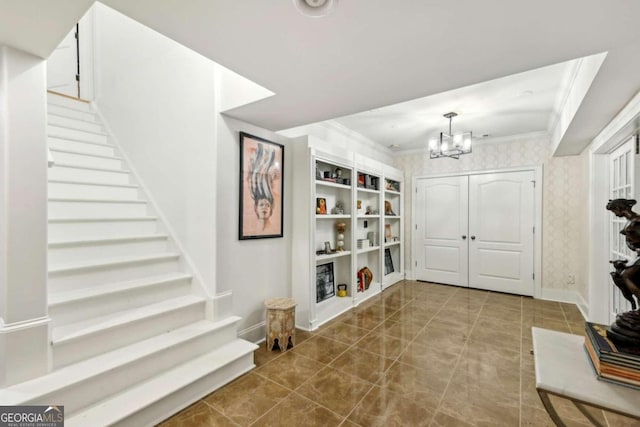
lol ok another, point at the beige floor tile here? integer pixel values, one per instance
(487, 415)
(247, 398)
(620, 421)
(384, 408)
(344, 333)
(198, 415)
(441, 419)
(385, 345)
(335, 390)
(407, 379)
(262, 356)
(290, 370)
(296, 410)
(322, 349)
(362, 364)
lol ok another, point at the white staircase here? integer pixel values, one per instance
(129, 339)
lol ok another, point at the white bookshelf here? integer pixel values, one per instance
(314, 224)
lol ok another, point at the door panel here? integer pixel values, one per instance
(62, 67)
(501, 220)
(441, 223)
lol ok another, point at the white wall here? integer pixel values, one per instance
(23, 217)
(564, 202)
(162, 101)
(158, 98)
(253, 269)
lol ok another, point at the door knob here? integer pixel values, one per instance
(473, 237)
(464, 237)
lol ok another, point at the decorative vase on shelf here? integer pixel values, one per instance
(340, 228)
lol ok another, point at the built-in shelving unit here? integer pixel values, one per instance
(344, 190)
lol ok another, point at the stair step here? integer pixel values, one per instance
(73, 104)
(74, 172)
(67, 189)
(73, 123)
(68, 250)
(85, 159)
(88, 338)
(65, 307)
(73, 276)
(65, 207)
(81, 135)
(84, 383)
(73, 228)
(81, 146)
(63, 111)
(152, 401)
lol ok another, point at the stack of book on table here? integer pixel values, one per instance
(611, 362)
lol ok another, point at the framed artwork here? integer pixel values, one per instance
(325, 282)
(321, 205)
(261, 188)
(388, 262)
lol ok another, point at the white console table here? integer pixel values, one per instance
(563, 369)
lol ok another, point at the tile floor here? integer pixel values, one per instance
(418, 354)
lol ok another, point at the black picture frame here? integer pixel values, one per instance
(261, 211)
(325, 282)
(388, 262)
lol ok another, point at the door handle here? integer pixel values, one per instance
(464, 237)
(473, 237)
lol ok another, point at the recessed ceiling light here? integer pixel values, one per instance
(527, 93)
(315, 8)
(486, 135)
(394, 146)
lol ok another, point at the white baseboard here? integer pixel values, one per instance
(24, 350)
(255, 333)
(408, 275)
(563, 295)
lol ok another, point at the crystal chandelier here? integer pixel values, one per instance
(450, 144)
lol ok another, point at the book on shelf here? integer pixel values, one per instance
(610, 362)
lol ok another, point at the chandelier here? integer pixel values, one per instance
(450, 144)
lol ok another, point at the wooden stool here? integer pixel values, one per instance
(281, 322)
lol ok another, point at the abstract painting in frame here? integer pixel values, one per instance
(261, 188)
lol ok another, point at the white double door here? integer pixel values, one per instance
(477, 231)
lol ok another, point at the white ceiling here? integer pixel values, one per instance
(523, 103)
(373, 53)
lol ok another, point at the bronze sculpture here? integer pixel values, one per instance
(626, 328)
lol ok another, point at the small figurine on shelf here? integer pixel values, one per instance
(359, 206)
(388, 210)
(340, 227)
(387, 233)
(339, 209)
(338, 173)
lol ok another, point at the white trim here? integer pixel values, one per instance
(255, 333)
(198, 284)
(565, 296)
(621, 127)
(25, 324)
(599, 239)
(408, 274)
(537, 250)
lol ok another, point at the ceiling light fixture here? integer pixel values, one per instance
(450, 144)
(315, 8)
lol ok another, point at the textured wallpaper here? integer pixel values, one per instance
(564, 205)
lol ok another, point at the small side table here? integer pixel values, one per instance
(281, 322)
(563, 369)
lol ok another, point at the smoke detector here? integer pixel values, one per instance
(315, 8)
